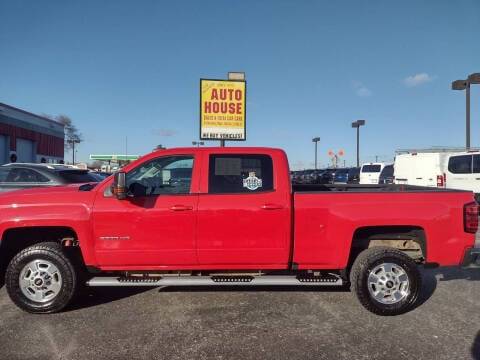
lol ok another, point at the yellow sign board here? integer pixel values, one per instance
(222, 109)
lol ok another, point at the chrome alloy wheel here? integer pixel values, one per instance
(40, 281)
(388, 283)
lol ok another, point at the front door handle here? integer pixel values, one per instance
(271, 207)
(181, 208)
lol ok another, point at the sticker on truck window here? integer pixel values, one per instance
(252, 182)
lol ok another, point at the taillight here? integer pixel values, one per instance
(440, 181)
(470, 217)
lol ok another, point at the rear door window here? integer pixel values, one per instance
(240, 174)
(461, 164)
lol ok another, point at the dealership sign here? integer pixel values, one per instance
(222, 109)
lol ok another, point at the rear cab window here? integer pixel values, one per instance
(240, 173)
(371, 168)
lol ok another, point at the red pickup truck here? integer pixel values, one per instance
(229, 216)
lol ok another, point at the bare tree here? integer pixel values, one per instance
(72, 134)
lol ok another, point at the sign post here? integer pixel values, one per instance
(223, 109)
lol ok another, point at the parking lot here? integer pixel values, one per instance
(233, 323)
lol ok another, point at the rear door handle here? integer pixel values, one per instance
(181, 208)
(271, 207)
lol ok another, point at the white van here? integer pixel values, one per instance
(463, 172)
(453, 170)
(421, 168)
(370, 172)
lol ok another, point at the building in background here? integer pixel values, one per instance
(26, 137)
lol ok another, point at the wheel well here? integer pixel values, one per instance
(409, 239)
(16, 239)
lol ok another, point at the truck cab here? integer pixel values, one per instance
(225, 208)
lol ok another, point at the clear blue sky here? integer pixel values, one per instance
(133, 67)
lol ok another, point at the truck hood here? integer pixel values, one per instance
(73, 193)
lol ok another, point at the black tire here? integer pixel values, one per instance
(46, 251)
(370, 259)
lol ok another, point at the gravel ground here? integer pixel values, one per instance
(232, 323)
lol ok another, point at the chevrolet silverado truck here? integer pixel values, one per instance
(230, 216)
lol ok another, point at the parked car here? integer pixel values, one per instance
(305, 176)
(18, 176)
(386, 176)
(229, 216)
(347, 176)
(326, 176)
(370, 172)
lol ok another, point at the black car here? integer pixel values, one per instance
(386, 176)
(18, 176)
(326, 176)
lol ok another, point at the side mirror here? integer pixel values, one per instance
(119, 188)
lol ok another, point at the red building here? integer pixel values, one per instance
(26, 137)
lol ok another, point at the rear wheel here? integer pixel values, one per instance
(41, 278)
(386, 281)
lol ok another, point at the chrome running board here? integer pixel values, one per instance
(216, 280)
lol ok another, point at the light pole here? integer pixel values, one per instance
(198, 143)
(465, 85)
(316, 140)
(357, 124)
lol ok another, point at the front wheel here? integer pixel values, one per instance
(41, 279)
(386, 281)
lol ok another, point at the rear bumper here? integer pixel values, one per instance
(471, 259)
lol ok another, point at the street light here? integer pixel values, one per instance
(316, 140)
(465, 85)
(198, 143)
(357, 124)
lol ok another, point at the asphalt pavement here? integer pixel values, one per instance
(233, 323)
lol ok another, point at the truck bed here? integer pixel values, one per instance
(327, 218)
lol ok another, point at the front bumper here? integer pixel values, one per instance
(471, 259)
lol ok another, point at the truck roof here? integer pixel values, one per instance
(215, 149)
(225, 149)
